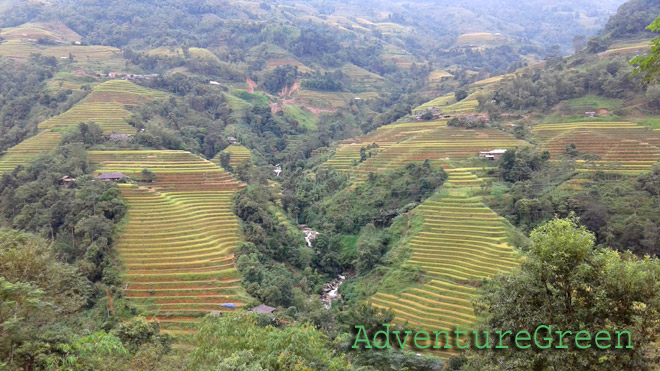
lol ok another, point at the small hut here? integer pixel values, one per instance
(263, 309)
(111, 177)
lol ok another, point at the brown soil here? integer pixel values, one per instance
(251, 85)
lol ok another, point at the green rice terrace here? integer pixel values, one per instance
(238, 154)
(104, 106)
(178, 243)
(441, 146)
(28, 150)
(21, 49)
(347, 154)
(461, 242)
(417, 141)
(621, 147)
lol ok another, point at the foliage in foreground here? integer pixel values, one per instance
(567, 283)
(236, 342)
(649, 65)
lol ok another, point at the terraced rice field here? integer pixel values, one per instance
(448, 106)
(108, 115)
(437, 78)
(348, 151)
(124, 92)
(93, 53)
(402, 143)
(40, 30)
(363, 80)
(439, 103)
(462, 241)
(481, 39)
(322, 100)
(467, 105)
(180, 237)
(630, 47)
(447, 103)
(105, 107)
(28, 150)
(623, 147)
(238, 153)
(277, 56)
(493, 80)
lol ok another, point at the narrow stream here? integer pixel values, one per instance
(331, 291)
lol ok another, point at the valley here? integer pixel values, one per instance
(180, 179)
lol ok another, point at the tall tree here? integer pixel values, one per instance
(566, 283)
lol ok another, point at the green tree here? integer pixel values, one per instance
(363, 154)
(138, 331)
(148, 176)
(567, 283)
(653, 96)
(572, 151)
(225, 160)
(35, 291)
(371, 246)
(650, 182)
(235, 341)
(19, 302)
(98, 351)
(460, 94)
(648, 66)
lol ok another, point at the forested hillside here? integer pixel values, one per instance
(181, 180)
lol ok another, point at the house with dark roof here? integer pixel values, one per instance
(263, 309)
(111, 177)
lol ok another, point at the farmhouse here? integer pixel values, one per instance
(232, 140)
(263, 309)
(492, 154)
(111, 177)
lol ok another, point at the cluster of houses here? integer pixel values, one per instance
(131, 76)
